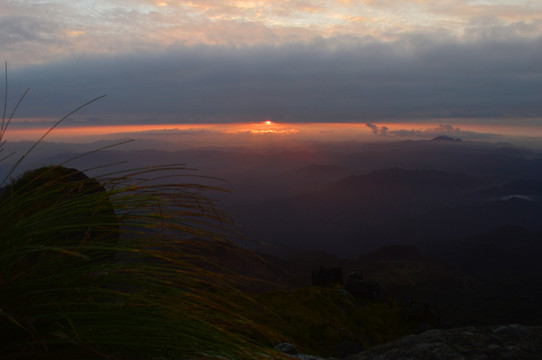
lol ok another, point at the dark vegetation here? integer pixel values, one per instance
(79, 280)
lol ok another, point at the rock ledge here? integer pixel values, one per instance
(509, 342)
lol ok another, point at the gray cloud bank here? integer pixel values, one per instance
(328, 80)
(440, 130)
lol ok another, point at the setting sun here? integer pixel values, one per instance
(268, 122)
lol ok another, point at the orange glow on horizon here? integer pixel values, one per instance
(267, 127)
(74, 132)
(314, 131)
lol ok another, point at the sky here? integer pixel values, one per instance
(446, 63)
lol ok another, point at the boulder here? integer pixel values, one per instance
(291, 350)
(508, 342)
(286, 348)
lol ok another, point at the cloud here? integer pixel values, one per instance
(493, 28)
(328, 80)
(376, 130)
(170, 132)
(120, 27)
(373, 128)
(22, 29)
(441, 129)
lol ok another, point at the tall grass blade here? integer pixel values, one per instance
(45, 135)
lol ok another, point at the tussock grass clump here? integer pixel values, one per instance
(95, 268)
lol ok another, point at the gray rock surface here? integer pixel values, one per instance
(291, 350)
(286, 348)
(510, 342)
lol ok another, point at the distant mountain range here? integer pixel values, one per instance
(346, 198)
(453, 224)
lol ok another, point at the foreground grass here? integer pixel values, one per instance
(78, 281)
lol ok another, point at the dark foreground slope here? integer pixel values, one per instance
(402, 292)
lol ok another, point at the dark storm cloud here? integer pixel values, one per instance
(334, 80)
(377, 130)
(373, 128)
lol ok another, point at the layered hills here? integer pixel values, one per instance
(440, 233)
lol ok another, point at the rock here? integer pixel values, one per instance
(324, 276)
(467, 343)
(513, 330)
(290, 349)
(286, 348)
(312, 357)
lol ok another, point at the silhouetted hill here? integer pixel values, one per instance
(356, 214)
(317, 174)
(523, 187)
(506, 262)
(424, 179)
(502, 252)
(500, 161)
(473, 218)
(446, 138)
(393, 253)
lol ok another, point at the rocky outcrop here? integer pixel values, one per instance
(510, 342)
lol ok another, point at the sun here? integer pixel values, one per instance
(268, 122)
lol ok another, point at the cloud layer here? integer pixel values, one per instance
(329, 80)
(299, 60)
(46, 30)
